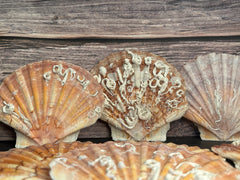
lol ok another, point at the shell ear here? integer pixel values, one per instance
(143, 94)
(49, 101)
(213, 93)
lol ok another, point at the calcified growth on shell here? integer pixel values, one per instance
(143, 93)
(33, 162)
(141, 161)
(213, 93)
(48, 102)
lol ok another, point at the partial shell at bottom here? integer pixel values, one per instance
(140, 161)
(32, 162)
(229, 151)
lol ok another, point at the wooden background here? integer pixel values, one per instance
(85, 32)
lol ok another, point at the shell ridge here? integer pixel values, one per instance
(218, 65)
(10, 116)
(26, 92)
(204, 113)
(121, 167)
(47, 83)
(231, 62)
(125, 149)
(14, 112)
(54, 98)
(134, 161)
(36, 91)
(217, 93)
(152, 162)
(76, 110)
(45, 122)
(195, 101)
(61, 73)
(86, 115)
(235, 81)
(84, 157)
(103, 158)
(61, 109)
(207, 82)
(235, 85)
(17, 111)
(225, 83)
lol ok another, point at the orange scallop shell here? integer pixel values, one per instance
(49, 101)
(141, 160)
(33, 162)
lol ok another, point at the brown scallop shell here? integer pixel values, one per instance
(141, 161)
(229, 151)
(49, 101)
(33, 162)
(143, 94)
(213, 92)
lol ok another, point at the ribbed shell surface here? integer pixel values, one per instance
(141, 161)
(49, 101)
(32, 162)
(213, 92)
(143, 94)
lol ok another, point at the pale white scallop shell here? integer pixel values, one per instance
(213, 92)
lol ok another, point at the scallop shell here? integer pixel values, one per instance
(143, 94)
(49, 101)
(229, 151)
(213, 93)
(140, 161)
(33, 162)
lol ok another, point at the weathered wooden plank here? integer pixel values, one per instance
(119, 19)
(18, 52)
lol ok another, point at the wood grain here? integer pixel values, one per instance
(18, 52)
(87, 53)
(119, 19)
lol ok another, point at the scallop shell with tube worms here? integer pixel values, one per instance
(33, 162)
(141, 161)
(213, 94)
(143, 94)
(49, 101)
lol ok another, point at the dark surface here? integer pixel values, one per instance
(191, 141)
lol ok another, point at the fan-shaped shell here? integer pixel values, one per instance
(229, 151)
(213, 93)
(49, 101)
(143, 94)
(141, 160)
(33, 162)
